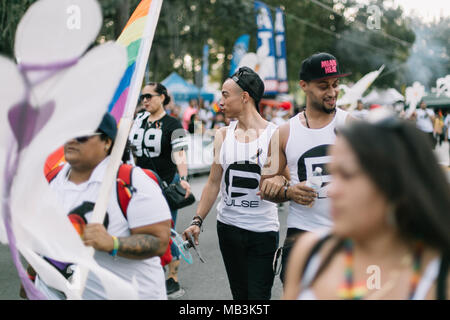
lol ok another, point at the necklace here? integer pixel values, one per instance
(348, 290)
(306, 119)
(351, 291)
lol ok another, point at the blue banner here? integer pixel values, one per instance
(240, 48)
(280, 49)
(266, 48)
(205, 66)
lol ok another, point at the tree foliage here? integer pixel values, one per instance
(338, 27)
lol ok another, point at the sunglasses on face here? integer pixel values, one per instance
(83, 139)
(147, 96)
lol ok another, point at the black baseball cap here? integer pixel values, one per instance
(108, 126)
(249, 81)
(320, 66)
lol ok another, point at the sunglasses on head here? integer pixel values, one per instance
(148, 96)
(243, 83)
(83, 139)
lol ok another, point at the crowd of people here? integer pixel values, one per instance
(382, 201)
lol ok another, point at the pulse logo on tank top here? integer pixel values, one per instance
(241, 184)
(315, 157)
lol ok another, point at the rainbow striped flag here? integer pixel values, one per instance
(136, 36)
(215, 107)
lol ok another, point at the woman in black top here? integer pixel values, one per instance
(161, 145)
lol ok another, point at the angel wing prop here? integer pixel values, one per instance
(354, 93)
(56, 92)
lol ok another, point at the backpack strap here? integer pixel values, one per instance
(314, 251)
(153, 175)
(441, 288)
(125, 187)
(53, 173)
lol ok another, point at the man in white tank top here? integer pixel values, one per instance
(247, 226)
(300, 146)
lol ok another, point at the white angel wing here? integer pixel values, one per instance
(81, 97)
(12, 90)
(356, 91)
(71, 102)
(57, 30)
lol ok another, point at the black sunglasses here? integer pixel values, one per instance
(147, 96)
(83, 139)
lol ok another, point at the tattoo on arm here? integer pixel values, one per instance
(139, 246)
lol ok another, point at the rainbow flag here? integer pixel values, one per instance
(133, 37)
(137, 37)
(215, 107)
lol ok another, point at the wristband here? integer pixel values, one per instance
(196, 223)
(116, 247)
(285, 192)
(197, 217)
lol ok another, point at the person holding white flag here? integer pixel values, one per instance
(128, 243)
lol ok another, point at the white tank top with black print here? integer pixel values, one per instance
(239, 205)
(307, 149)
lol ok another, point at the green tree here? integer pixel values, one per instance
(389, 45)
(10, 14)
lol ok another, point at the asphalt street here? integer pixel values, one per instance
(200, 281)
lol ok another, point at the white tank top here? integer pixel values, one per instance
(307, 149)
(242, 163)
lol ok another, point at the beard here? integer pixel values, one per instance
(329, 111)
(321, 106)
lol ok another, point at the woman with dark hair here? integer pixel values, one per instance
(390, 203)
(161, 145)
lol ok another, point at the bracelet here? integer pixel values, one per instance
(116, 247)
(196, 223)
(197, 217)
(285, 192)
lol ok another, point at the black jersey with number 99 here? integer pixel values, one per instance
(155, 142)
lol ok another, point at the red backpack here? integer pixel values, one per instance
(125, 191)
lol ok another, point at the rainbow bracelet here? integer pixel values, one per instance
(116, 247)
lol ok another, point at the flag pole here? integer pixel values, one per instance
(124, 126)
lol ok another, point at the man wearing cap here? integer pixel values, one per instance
(301, 146)
(130, 246)
(247, 226)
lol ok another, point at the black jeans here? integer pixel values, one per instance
(291, 236)
(248, 258)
